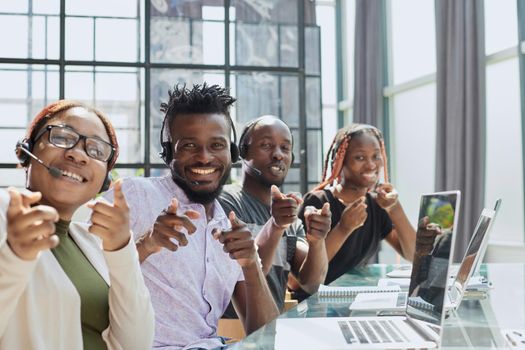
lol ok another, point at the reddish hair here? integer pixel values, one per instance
(53, 109)
(337, 151)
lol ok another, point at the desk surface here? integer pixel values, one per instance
(477, 323)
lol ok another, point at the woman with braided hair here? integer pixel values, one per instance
(364, 211)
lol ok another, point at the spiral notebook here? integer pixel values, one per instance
(344, 292)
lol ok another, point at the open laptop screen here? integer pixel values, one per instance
(438, 214)
(473, 254)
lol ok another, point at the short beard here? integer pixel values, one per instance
(263, 181)
(269, 184)
(201, 197)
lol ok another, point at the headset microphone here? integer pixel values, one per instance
(55, 172)
(254, 169)
(192, 182)
(175, 175)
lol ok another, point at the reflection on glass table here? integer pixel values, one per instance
(476, 324)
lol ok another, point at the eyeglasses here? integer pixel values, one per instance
(65, 137)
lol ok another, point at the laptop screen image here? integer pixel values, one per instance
(438, 216)
(422, 325)
(473, 255)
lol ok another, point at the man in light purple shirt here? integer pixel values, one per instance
(209, 256)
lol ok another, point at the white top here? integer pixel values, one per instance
(40, 306)
(191, 287)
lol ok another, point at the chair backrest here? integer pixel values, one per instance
(231, 328)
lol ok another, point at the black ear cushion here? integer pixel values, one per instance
(243, 151)
(106, 184)
(293, 158)
(234, 152)
(23, 158)
(166, 153)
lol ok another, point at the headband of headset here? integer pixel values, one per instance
(248, 128)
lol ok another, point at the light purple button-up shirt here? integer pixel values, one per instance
(191, 287)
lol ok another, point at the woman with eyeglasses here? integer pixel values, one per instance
(63, 284)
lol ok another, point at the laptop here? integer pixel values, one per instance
(387, 302)
(474, 255)
(421, 327)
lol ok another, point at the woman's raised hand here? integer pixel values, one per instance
(110, 222)
(30, 229)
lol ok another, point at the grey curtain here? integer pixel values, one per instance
(369, 67)
(461, 108)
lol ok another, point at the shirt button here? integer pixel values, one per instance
(208, 260)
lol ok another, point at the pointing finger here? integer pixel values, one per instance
(15, 203)
(325, 210)
(392, 194)
(309, 210)
(29, 197)
(298, 199)
(173, 206)
(192, 214)
(118, 194)
(216, 232)
(234, 220)
(276, 194)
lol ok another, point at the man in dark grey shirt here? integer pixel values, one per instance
(266, 151)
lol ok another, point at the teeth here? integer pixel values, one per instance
(202, 171)
(73, 176)
(276, 168)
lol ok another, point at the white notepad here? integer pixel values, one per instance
(334, 292)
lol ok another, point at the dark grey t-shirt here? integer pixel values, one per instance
(255, 214)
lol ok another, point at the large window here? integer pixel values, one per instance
(123, 56)
(504, 155)
(411, 102)
(412, 110)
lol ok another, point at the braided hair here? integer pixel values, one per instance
(336, 153)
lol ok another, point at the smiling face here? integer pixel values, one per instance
(363, 162)
(269, 151)
(201, 154)
(82, 176)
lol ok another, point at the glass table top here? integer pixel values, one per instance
(476, 324)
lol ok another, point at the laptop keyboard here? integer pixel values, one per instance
(371, 332)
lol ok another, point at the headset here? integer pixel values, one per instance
(167, 148)
(24, 151)
(243, 145)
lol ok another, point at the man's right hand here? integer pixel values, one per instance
(354, 215)
(284, 208)
(30, 229)
(167, 226)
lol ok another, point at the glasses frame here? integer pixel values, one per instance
(80, 137)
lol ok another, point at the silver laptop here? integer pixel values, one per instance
(421, 327)
(470, 263)
(474, 255)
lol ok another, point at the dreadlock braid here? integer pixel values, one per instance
(327, 159)
(337, 152)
